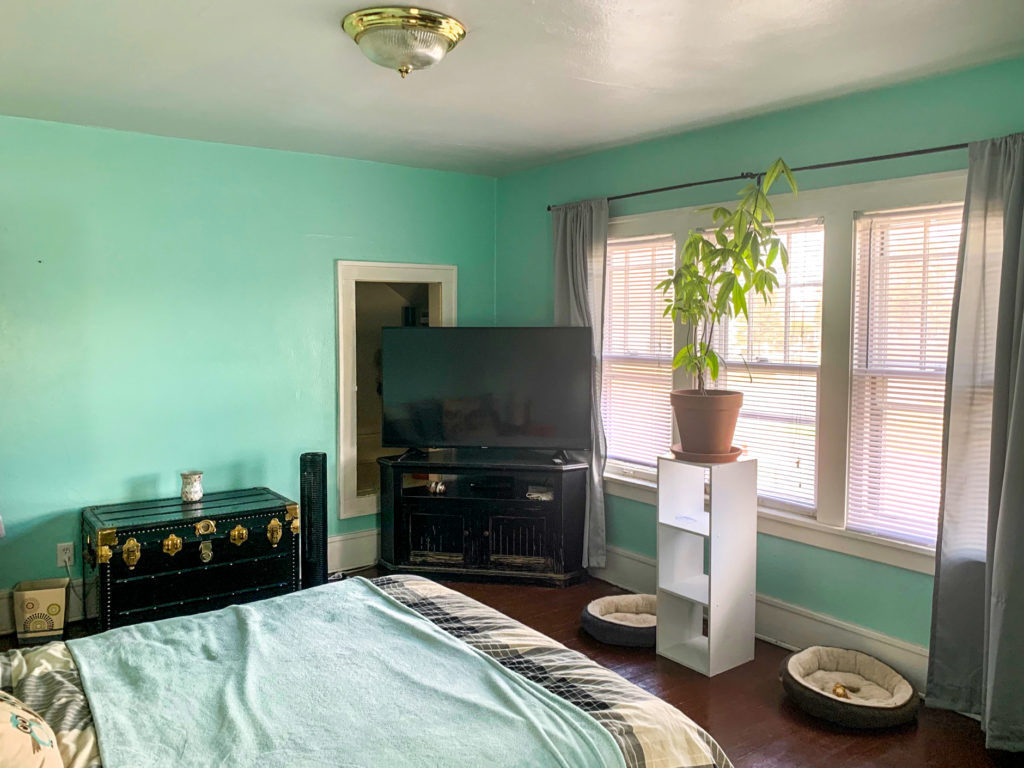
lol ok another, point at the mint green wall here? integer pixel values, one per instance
(973, 104)
(890, 600)
(169, 304)
(631, 525)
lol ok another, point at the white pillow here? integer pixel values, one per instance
(25, 739)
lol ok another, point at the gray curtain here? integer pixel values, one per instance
(581, 244)
(976, 660)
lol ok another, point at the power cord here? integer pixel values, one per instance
(80, 595)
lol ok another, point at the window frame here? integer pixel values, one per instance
(838, 207)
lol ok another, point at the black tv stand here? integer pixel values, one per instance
(492, 514)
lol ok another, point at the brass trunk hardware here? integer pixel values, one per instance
(238, 535)
(172, 545)
(103, 553)
(291, 512)
(206, 551)
(274, 530)
(131, 553)
(204, 527)
(106, 537)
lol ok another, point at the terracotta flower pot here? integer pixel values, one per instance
(706, 421)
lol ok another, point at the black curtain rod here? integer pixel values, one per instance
(815, 167)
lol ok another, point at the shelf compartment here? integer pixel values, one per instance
(694, 589)
(680, 632)
(681, 497)
(681, 564)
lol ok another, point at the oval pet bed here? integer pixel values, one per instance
(629, 620)
(848, 688)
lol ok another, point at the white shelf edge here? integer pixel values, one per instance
(695, 589)
(672, 526)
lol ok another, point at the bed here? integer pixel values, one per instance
(647, 732)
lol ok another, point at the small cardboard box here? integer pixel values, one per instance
(39, 609)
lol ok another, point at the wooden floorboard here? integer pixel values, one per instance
(744, 709)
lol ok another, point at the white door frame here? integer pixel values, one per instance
(443, 286)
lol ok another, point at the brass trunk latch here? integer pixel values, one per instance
(106, 540)
(274, 530)
(131, 553)
(238, 535)
(172, 545)
(206, 551)
(292, 513)
(204, 527)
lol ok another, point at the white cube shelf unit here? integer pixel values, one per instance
(720, 528)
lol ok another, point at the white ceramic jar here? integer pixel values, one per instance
(191, 486)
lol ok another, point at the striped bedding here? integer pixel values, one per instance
(649, 732)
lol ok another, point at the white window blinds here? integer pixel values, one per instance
(773, 359)
(903, 293)
(637, 369)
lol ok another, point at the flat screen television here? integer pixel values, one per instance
(486, 387)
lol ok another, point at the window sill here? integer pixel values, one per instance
(806, 530)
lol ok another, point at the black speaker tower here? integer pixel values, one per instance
(313, 507)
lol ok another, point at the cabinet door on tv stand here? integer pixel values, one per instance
(436, 538)
(522, 542)
(476, 543)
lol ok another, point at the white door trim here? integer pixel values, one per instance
(443, 280)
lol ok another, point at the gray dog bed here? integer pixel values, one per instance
(629, 620)
(848, 688)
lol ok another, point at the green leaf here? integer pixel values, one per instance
(784, 255)
(682, 355)
(789, 176)
(772, 174)
(739, 300)
(726, 282)
(769, 210)
(712, 358)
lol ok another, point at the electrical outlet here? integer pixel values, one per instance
(66, 554)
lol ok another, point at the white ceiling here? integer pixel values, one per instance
(533, 81)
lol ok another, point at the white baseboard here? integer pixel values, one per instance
(345, 552)
(628, 570)
(784, 624)
(794, 627)
(352, 551)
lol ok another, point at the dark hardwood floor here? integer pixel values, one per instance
(744, 709)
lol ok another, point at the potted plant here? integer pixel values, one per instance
(718, 270)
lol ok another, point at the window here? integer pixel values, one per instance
(773, 356)
(903, 294)
(637, 370)
(843, 373)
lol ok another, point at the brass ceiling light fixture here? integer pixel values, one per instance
(403, 39)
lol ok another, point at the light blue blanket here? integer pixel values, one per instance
(339, 675)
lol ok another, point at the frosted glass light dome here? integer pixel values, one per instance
(403, 39)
